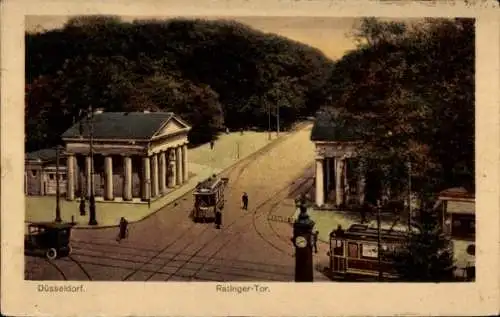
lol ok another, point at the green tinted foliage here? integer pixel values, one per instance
(212, 73)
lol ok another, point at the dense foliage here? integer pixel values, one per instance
(214, 74)
(428, 255)
(412, 89)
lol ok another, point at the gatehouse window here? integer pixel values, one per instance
(51, 177)
(33, 173)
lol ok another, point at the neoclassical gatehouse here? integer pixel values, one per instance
(137, 156)
(336, 143)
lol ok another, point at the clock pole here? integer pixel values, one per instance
(302, 241)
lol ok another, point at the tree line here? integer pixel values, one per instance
(407, 90)
(214, 74)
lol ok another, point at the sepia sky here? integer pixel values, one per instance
(327, 34)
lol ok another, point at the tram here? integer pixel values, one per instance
(208, 198)
(354, 252)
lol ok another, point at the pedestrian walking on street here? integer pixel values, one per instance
(218, 219)
(82, 207)
(315, 240)
(123, 230)
(244, 200)
(211, 144)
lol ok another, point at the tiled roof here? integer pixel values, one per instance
(43, 155)
(330, 126)
(121, 125)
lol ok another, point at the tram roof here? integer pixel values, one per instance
(360, 230)
(208, 185)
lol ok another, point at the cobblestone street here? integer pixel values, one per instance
(168, 246)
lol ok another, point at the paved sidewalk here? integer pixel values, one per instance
(203, 162)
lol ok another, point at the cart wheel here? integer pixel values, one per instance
(51, 254)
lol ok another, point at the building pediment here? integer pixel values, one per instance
(173, 126)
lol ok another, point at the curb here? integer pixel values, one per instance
(269, 145)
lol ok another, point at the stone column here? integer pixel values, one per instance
(185, 170)
(163, 173)
(178, 164)
(70, 172)
(346, 182)
(146, 178)
(108, 176)
(171, 169)
(361, 188)
(154, 176)
(320, 192)
(88, 176)
(339, 168)
(127, 178)
(41, 175)
(328, 174)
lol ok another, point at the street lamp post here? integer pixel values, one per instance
(278, 119)
(379, 246)
(269, 120)
(58, 207)
(92, 207)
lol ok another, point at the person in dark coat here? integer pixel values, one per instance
(315, 240)
(212, 143)
(218, 219)
(82, 207)
(244, 200)
(123, 229)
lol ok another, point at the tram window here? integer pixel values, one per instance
(369, 250)
(353, 250)
(207, 200)
(338, 248)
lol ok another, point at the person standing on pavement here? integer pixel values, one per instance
(244, 200)
(218, 219)
(315, 240)
(123, 229)
(212, 143)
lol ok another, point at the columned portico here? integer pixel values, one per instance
(334, 173)
(141, 163)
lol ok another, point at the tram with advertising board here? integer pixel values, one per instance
(208, 198)
(354, 252)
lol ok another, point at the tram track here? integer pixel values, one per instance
(55, 266)
(251, 216)
(255, 216)
(234, 173)
(81, 267)
(240, 167)
(275, 207)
